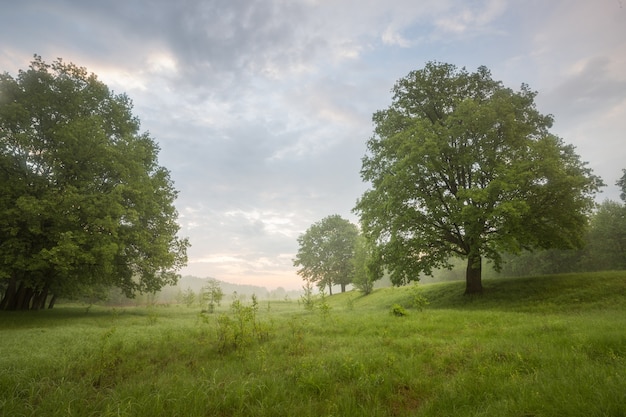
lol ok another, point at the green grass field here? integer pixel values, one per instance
(541, 346)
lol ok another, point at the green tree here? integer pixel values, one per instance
(366, 269)
(460, 165)
(212, 294)
(326, 252)
(84, 204)
(544, 262)
(188, 297)
(606, 241)
(604, 249)
(621, 183)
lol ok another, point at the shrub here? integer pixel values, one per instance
(398, 311)
(418, 299)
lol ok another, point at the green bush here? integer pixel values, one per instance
(398, 311)
(418, 299)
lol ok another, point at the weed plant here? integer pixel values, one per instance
(543, 346)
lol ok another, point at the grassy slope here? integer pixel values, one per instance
(546, 293)
(543, 346)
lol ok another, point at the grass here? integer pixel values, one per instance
(542, 346)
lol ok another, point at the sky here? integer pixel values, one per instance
(262, 108)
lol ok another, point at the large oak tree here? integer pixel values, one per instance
(461, 165)
(84, 204)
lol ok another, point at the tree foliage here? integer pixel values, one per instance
(83, 202)
(621, 183)
(604, 247)
(606, 239)
(604, 250)
(326, 252)
(366, 269)
(212, 294)
(461, 165)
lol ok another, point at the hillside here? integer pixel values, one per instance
(558, 293)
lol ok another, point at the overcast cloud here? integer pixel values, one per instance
(262, 107)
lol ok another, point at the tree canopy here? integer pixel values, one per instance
(84, 204)
(326, 252)
(460, 165)
(604, 249)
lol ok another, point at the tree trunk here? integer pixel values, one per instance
(29, 293)
(39, 300)
(52, 301)
(18, 300)
(343, 287)
(473, 275)
(36, 301)
(330, 289)
(9, 296)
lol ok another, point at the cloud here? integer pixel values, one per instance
(589, 105)
(392, 37)
(262, 108)
(468, 20)
(589, 88)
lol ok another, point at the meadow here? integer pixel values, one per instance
(539, 346)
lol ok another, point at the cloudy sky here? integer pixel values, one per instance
(262, 107)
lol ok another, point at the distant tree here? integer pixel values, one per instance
(366, 267)
(604, 247)
(212, 294)
(460, 165)
(542, 262)
(326, 252)
(622, 184)
(188, 297)
(84, 204)
(278, 294)
(606, 241)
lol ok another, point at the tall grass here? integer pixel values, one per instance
(543, 346)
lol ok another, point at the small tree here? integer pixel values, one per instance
(212, 294)
(189, 297)
(308, 298)
(326, 252)
(366, 270)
